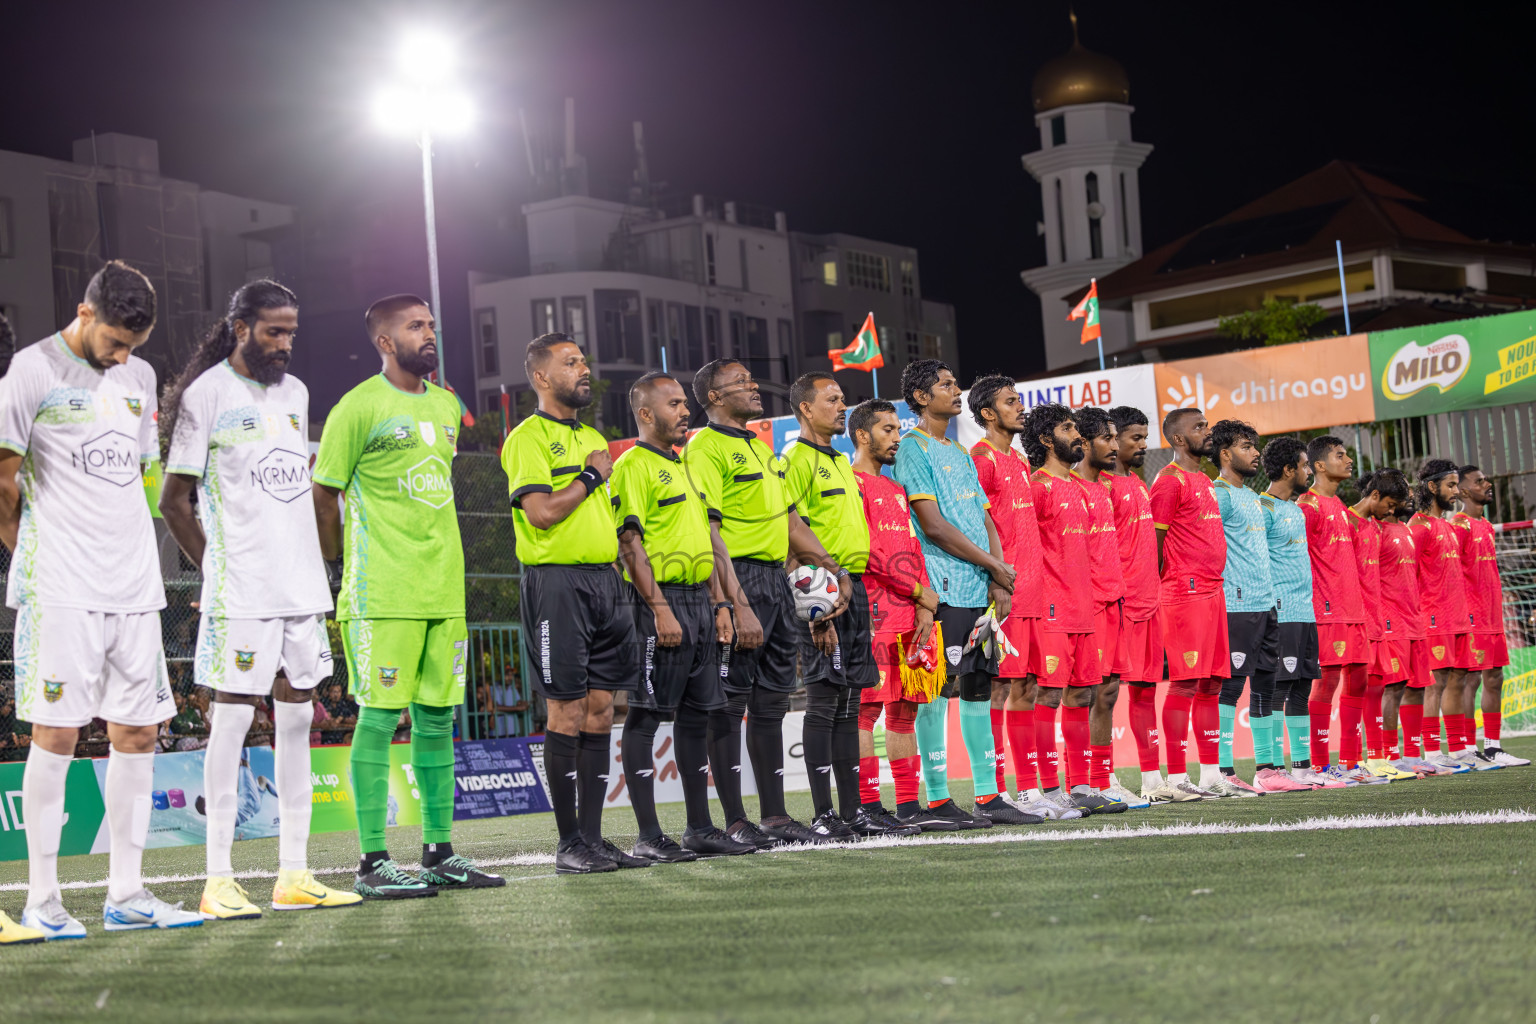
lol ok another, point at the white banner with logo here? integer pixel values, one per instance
(1135, 386)
(669, 787)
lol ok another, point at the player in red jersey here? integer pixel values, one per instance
(1343, 643)
(1403, 653)
(1005, 477)
(1380, 494)
(1192, 554)
(1141, 633)
(1442, 587)
(1071, 657)
(901, 608)
(1485, 598)
(1094, 474)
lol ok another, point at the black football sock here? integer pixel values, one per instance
(690, 745)
(765, 746)
(725, 756)
(845, 758)
(369, 861)
(591, 786)
(560, 773)
(640, 768)
(433, 854)
(820, 707)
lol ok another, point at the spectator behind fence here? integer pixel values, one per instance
(188, 730)
(341, 715)
(508, 704)
(15, 735)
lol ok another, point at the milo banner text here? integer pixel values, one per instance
(1464, 364)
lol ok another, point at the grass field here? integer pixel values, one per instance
(1366, 921)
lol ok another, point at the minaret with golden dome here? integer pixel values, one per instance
(1087, 168)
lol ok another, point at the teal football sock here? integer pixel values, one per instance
(1228, 715)
(1262, 744)
(976, 729)
(1300, 728)
(931, 728)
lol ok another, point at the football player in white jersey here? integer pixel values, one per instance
(77, 421)
(236, 429)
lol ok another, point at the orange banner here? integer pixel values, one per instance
(1278, 389)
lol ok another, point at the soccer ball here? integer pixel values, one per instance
(815, 592)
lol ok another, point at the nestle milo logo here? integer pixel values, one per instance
(1414, 367)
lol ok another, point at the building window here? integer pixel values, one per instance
(712, 347)
(1125, 217)
(746, 283)
(677, 352)
(908, 279)
(835, 342)
(1061, 225)
(1208, 306)
(913, 351)
(786, 337)
(7, 229)
(693, 332)
(738, 337)
(655, 325)
(867, 270)
(709, 258)
(576, 320)
(757, 346)
(829, 271)
(932, 346)
(1059, 130)
(1095, 211)
(616, 317)
(490, 402)
(544, 321)
(485, 336)
(1428, 277)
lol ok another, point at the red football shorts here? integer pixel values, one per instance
(1071, 659)
(1342, 643)
(1107, 623)
(1393, 659)
(1195, 638)
(1419, 676)
(1141, 650)
(1024, 634)
(888, 662)
(1488, 650)
(1449, 650)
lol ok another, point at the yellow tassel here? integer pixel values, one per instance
(918, 683)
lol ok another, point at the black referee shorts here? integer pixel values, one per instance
(772, 665)
(688, 673)
(852, 663)
(1254, 641)
(579, 630)
(1298, 651)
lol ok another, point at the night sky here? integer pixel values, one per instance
(898, 121)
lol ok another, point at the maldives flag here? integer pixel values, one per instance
(864, 353)
(1088, 311)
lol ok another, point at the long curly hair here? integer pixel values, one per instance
(245, 306)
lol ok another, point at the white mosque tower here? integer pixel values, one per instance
(1086, 167)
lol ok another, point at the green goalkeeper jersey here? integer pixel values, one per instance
(391, 455)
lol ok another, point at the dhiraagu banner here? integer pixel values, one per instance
(1463, 364)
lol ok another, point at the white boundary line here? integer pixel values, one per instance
(988, 837)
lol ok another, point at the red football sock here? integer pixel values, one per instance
(1045, 744)
(999, 749)
(1431, 735)
(869, 780)
(1389, 743)
(1074, 731)
(1208, 724)
(1020, 726)
(1102, 766)
(904, 770)
(1143, 718)
(1373, 741)
(1493, 723)
(1349, 728)
(1176, 730)
(1454, 734)
(1412, 717)
(1469, 732)
(1319, 713)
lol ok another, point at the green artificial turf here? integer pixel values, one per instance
(1377, 926)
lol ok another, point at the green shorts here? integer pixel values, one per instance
(393, 662)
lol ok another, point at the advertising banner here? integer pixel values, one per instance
(1519, 705)
(669, 787)
(84, 813)
(497, 778)
(1278, 389)
(1123, 385)
(1464, 364)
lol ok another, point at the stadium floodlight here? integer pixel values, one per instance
(424, 103)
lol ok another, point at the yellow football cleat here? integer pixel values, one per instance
(298, 890)
(225, 900)
(13, 934)
(1383, 769)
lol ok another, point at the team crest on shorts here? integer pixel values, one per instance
(953, 654)
(293, 420)
(388, 676)
(1238, 657)
(1190, 657)
(1478, 655)
(1438, 651)
(244, 660)
(1290, 664)
(1394, 664)
(135, 405)
(1338, 647)
(1051, 661)
(53, 690)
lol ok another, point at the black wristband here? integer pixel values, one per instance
(724, 604)
(590, 478)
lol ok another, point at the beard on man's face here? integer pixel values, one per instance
(418, 363)
(1068, 452)
(265, 367)
(578, 396)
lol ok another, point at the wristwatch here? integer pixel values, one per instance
(724, 604)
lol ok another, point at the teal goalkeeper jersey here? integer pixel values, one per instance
(1246, 580)
(1290, 566)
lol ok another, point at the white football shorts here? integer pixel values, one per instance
(74, 665)
(243, 655)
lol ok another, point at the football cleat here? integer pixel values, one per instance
(924, 818)
(1167, 794)
(1384, 768)
(1338, 773)
(662, 850)
(1000, 812)
(1231, 785)
(1505, 758)
(787, 830)
(1363, 776)
(1316, 779)
(50, 920)
(832, 828)
(298, 890)
(1035, 802)
(1091, 801)
(1135, 801)
(144, 910)
(225, 899)
(1195, 792)
(712, 842)
(1272, 780)
(952, 811)
(574, 857)
(743, 831)
(1477, 759)
(459, 872)
(389, 881)
(619, 857)
(1449, 763)
(13, 934)
(872, 820)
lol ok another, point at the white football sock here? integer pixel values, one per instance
(295, 792)
(221, 780)
(130, 778)
(1152, 779)
(42, 808)
(1174, 778)
(1209, 773)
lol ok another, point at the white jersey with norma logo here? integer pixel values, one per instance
(86, 539)
(248, 445)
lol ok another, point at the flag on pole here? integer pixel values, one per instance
(864, 353)
(506, 413)
(1088, 312)
(465, 415)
